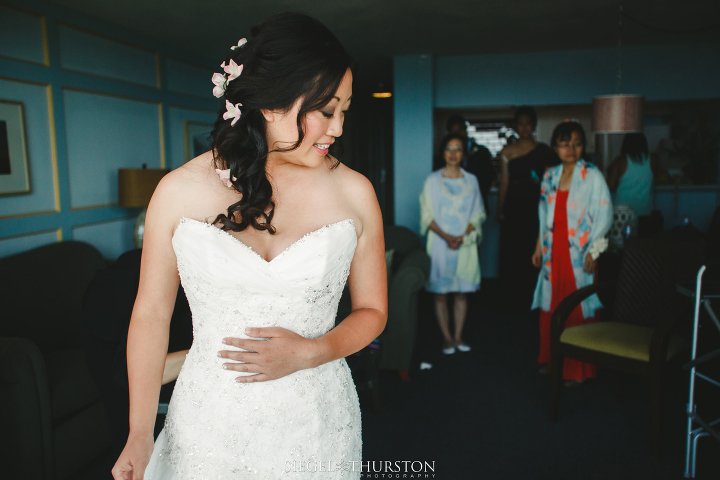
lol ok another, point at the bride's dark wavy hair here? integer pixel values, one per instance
(290, 56)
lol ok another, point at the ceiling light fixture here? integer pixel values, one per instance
(381, 92)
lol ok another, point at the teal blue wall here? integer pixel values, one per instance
(422, 83)
(96, 97)
(413, 131)
(668, 72)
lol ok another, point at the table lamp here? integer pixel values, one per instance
(135, 188)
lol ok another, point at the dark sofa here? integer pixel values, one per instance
(52, 423)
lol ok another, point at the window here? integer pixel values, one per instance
(493, 134)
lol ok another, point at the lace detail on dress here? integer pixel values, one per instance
(217, 428)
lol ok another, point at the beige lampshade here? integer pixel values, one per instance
(136, 185)
(618, 113)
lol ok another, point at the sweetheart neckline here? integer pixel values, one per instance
(223, 233)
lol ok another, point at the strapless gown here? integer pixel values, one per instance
(217, 428)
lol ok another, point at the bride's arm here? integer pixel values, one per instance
(149, 330)
(367, 282)
(173, 364)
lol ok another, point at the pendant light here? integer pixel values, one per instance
(618, 113)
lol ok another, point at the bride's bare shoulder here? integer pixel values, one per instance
(195, 175)
(189, 184)
(352, 182)
(359, 193)
(197, 170)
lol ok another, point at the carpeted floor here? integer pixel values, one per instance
(484, 414)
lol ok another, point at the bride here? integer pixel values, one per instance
(263, 231)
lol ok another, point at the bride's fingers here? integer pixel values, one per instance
(243, 343)
(119, 473)
(122, 470)
(260, 377)
(239, 356)
(242, 367)
(265, 332)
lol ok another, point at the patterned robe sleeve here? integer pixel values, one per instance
(600, 212)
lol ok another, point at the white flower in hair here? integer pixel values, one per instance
(242, 42)
(225, 177)
(220, 83)
(233, 111)
(233, 70)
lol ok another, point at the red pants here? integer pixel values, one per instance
(563, 284)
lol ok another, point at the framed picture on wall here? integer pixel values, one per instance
(14, 170)
(197, 139)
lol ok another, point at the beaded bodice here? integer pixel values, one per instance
(219, 428)
(230, 287)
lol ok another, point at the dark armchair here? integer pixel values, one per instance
(410, 270)
(52, 423)
(643, 333)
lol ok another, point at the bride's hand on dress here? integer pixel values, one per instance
(281, 353)
(134, 459)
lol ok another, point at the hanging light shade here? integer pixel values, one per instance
(618, 113)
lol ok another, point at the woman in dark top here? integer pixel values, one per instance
(522, 168)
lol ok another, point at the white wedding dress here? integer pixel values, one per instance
(217, 428)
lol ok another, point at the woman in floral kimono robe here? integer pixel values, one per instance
(575, 215)
(451, 212)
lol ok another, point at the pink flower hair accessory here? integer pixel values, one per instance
(221, 80)
(220, 83)
(241, 42)
(233, 111)
(232, 69)
(225, 177)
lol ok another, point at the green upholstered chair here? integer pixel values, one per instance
(410, 268)
(52, 423)
(643, 332)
